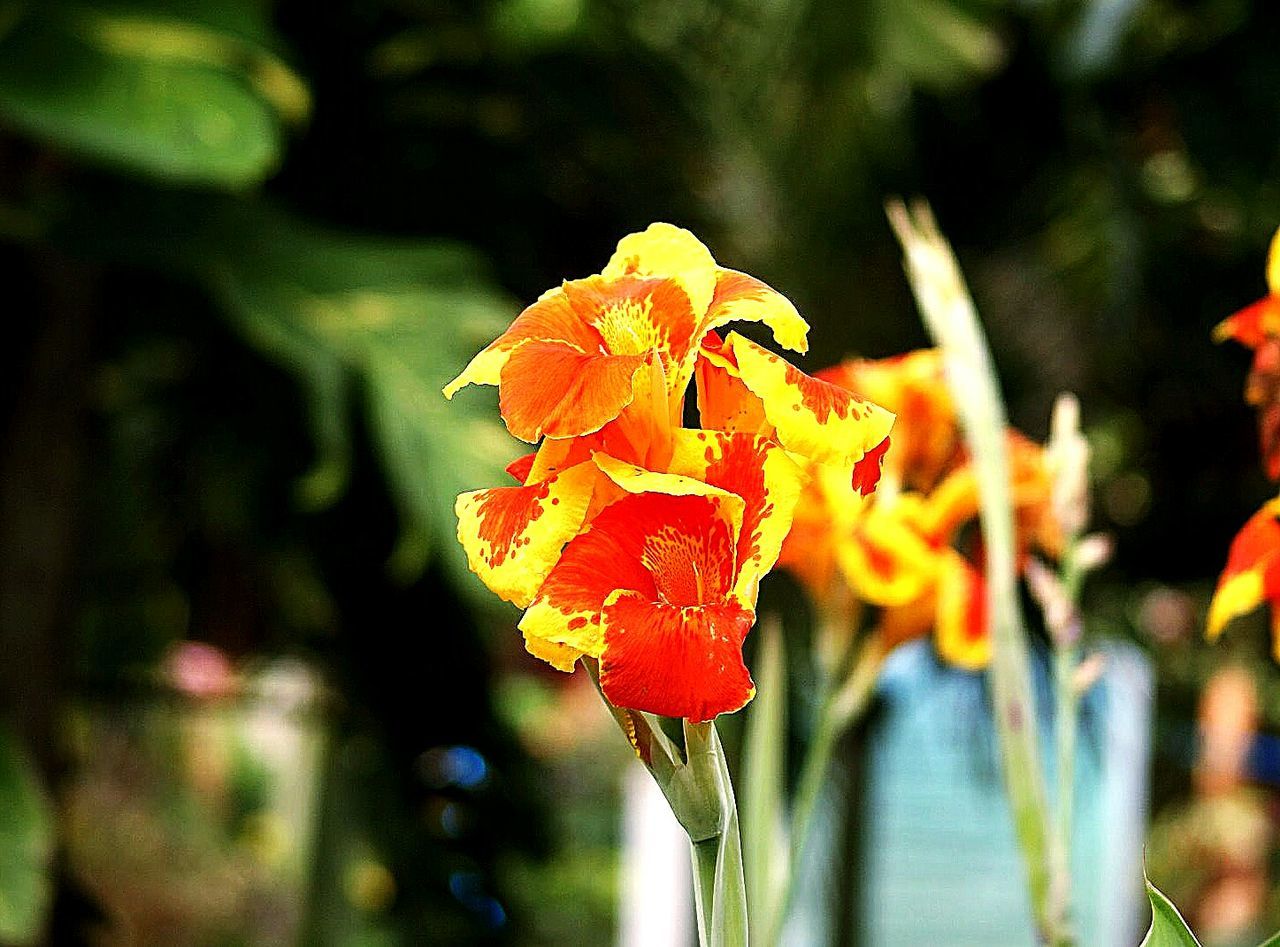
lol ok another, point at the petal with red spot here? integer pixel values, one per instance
(675, 661)
(811, 417)
(866, 472)
(1252, 573)
(513, 535)
(673, 548)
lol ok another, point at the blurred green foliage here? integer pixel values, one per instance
(244, 244)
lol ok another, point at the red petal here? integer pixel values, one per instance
(520, 467)
(677, 662)
(866, 472)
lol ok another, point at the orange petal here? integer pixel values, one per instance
(675, 661)
(513, 535)
(1253, 324)
(637, 316)
(725, 403)
(550, 319)
(549, 388)
(962, 637)
(521, 466)
(811, 417)
(743, 298)
(768, 481)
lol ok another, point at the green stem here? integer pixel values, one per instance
(720, 891)
(846, 695)
(951, 319)
(1065, 661)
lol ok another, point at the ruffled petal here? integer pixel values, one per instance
(674, 661)
(513, 535)
(811, 417)
(768, 481)
(550, 319)
(742, 298)
(666, 251)
(673, 548)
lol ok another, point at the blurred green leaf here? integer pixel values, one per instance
(179, 98)
(1168, 929)
(396, 319)
(26, 846)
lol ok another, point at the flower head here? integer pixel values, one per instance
(627, 537)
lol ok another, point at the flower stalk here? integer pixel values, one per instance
(951, 319)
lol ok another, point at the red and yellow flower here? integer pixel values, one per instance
(1252, 574)
(1257, 326)
(628, 538)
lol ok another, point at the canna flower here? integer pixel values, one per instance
(627, 538)
(1257, 326)
(1251, 576)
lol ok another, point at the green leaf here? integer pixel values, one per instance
(26, 846)
(182, 99)
(1168, 929)
(391, 322)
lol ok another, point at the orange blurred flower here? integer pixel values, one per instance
(898, 551)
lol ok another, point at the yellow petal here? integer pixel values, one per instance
(1236, 595)
(811, 417)
(887, 560)
(743, 298)
(559, 656)
(664, 250)
(513, 535)
(962, 637)
(484, 369)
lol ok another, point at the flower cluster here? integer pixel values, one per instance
(900, 550)
(1252, 573)
(629, 538)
